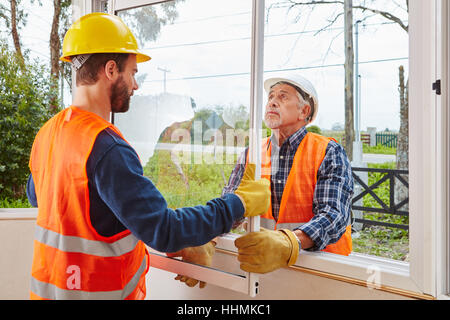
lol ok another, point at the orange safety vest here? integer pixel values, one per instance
(71, 260)
(296, 202)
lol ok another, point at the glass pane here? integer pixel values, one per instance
(308, 39)
(189, 119)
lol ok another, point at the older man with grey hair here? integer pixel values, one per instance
(311, 183)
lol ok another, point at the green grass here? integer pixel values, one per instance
(369, 242)
(337, 135)
(382, 241)
(203, 181)
(379, 149)
(14, 203)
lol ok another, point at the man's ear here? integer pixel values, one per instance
(111, 70)
(304, 113)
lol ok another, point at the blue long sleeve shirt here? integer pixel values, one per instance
(121, 197)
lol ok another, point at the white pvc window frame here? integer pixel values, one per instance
(443, 104)
(446, 233)
(426, 275)
(247, 284)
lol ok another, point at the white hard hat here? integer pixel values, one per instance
(298, 81)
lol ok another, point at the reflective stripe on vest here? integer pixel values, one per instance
(49, 291)
(91, 247)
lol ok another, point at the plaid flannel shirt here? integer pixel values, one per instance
(332, 195)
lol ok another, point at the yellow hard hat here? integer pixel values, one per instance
(100, 33)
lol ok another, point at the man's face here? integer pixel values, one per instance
(284, 108)
(123, 88)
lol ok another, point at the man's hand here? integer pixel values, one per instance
(255, 195)
(267, 250)
(199, 255)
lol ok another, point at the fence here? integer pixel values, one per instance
(365, 138)
(390, 175)
(387, 139)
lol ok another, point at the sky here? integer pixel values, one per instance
(35, 36)
(208, 47)
(207, 54)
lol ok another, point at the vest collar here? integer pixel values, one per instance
(293, 140)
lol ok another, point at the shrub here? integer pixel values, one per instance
(24, 101)
(314, 129)
(14, 203)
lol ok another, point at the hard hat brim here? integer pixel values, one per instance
(268, 83)
(140, 57)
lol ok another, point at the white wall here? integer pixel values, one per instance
(283, 284)
(16, 249)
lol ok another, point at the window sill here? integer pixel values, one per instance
(18, 213)
(365, 270)
(359, 269)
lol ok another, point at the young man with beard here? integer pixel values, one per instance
(311, 183)
(97, 212)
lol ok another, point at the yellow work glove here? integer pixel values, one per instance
(199, 255)
(267, 250)
(255, 195)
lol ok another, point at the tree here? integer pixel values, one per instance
(14, 32)
(24, 98)
(314, 128)
(401, 191)
(349, 134)
(14, 18)
(337, 126)
(60, 14)
(402, 143)
(55, 40)
(146, 23)
(363, 6)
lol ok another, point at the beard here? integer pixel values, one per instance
(119, 97)
(272, 121)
